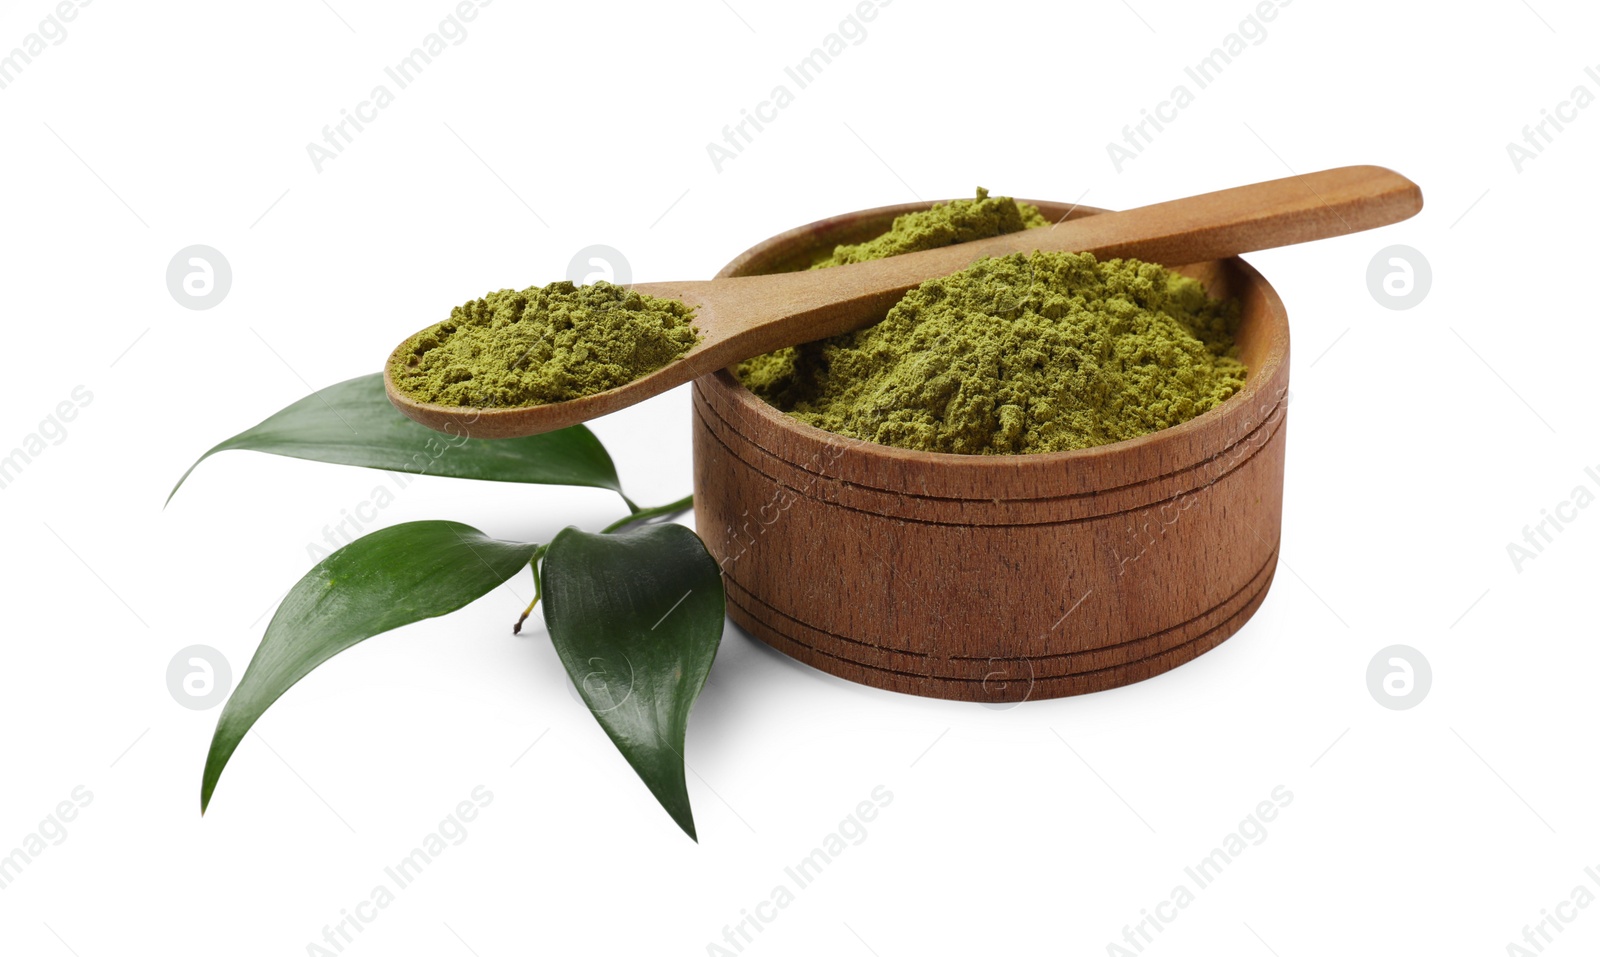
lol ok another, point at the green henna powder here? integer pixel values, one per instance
(958, 221)
(1023, 353)
(542, 345)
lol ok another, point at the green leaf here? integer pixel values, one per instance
(392, 577)
(636, 617)
(352, 423)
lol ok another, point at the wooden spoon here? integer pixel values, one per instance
(749, 316)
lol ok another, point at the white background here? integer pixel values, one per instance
(1421, 443)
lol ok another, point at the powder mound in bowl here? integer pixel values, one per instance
(945, 224)
(1018, 354)
(543, 344)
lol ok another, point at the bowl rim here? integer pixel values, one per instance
(1257, 380)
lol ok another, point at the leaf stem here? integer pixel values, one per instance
(645, 514)
(538, 588)
(639, 515)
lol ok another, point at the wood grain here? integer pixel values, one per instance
(743, 314)
(996, 578)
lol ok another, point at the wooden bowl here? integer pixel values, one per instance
(1005, 577)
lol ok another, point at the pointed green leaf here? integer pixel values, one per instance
(392, 577)
(636, 617)
(352, 423)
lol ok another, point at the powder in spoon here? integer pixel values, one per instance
(1022, 353)
(958, 221)
(543, 344)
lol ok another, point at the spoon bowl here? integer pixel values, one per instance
(742, 317)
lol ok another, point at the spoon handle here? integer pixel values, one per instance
(743, 317)
(1280, 212)
(756, 314)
